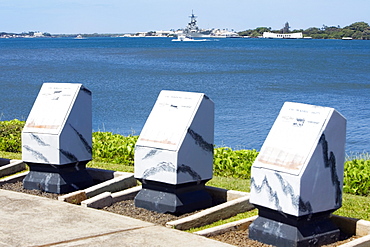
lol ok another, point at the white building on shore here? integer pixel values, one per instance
(269, 35)
(38, 34)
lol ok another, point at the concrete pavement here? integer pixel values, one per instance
(27, 220)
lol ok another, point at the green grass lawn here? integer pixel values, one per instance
(8, 155)
(353, 206)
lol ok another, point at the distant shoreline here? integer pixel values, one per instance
(356, 31)
(115, 36)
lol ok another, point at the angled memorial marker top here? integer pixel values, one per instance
(51, 108)
(169, 119)
(293, 138)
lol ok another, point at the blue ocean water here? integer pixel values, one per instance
(248, 79)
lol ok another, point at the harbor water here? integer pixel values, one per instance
(248, 80)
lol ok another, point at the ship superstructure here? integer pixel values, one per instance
(192, 25)
(192, 29)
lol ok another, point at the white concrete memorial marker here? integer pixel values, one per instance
(297, 177)
(174, 153)
(57, 138)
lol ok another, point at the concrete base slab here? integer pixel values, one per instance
(110, 181)
(210, 215)
(360, 242)
(352, 226)
(9, 167)
(106, 199)
(128, 194)
(99, 201)
(14, 178)
(121, 181)
(238, 225)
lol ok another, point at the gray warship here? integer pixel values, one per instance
(192, 29)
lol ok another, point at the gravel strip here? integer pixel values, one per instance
(18, 187)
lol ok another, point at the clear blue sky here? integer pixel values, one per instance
(123, 16)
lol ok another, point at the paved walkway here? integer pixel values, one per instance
(27, 220)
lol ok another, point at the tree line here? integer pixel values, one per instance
(357, 30)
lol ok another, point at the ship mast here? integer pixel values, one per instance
(193, 20)
(192, 25)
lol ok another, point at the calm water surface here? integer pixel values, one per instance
(248, 79)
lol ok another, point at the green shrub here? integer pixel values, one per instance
(10, 136)
(356, 177)
(233, 163)
(113, 148)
